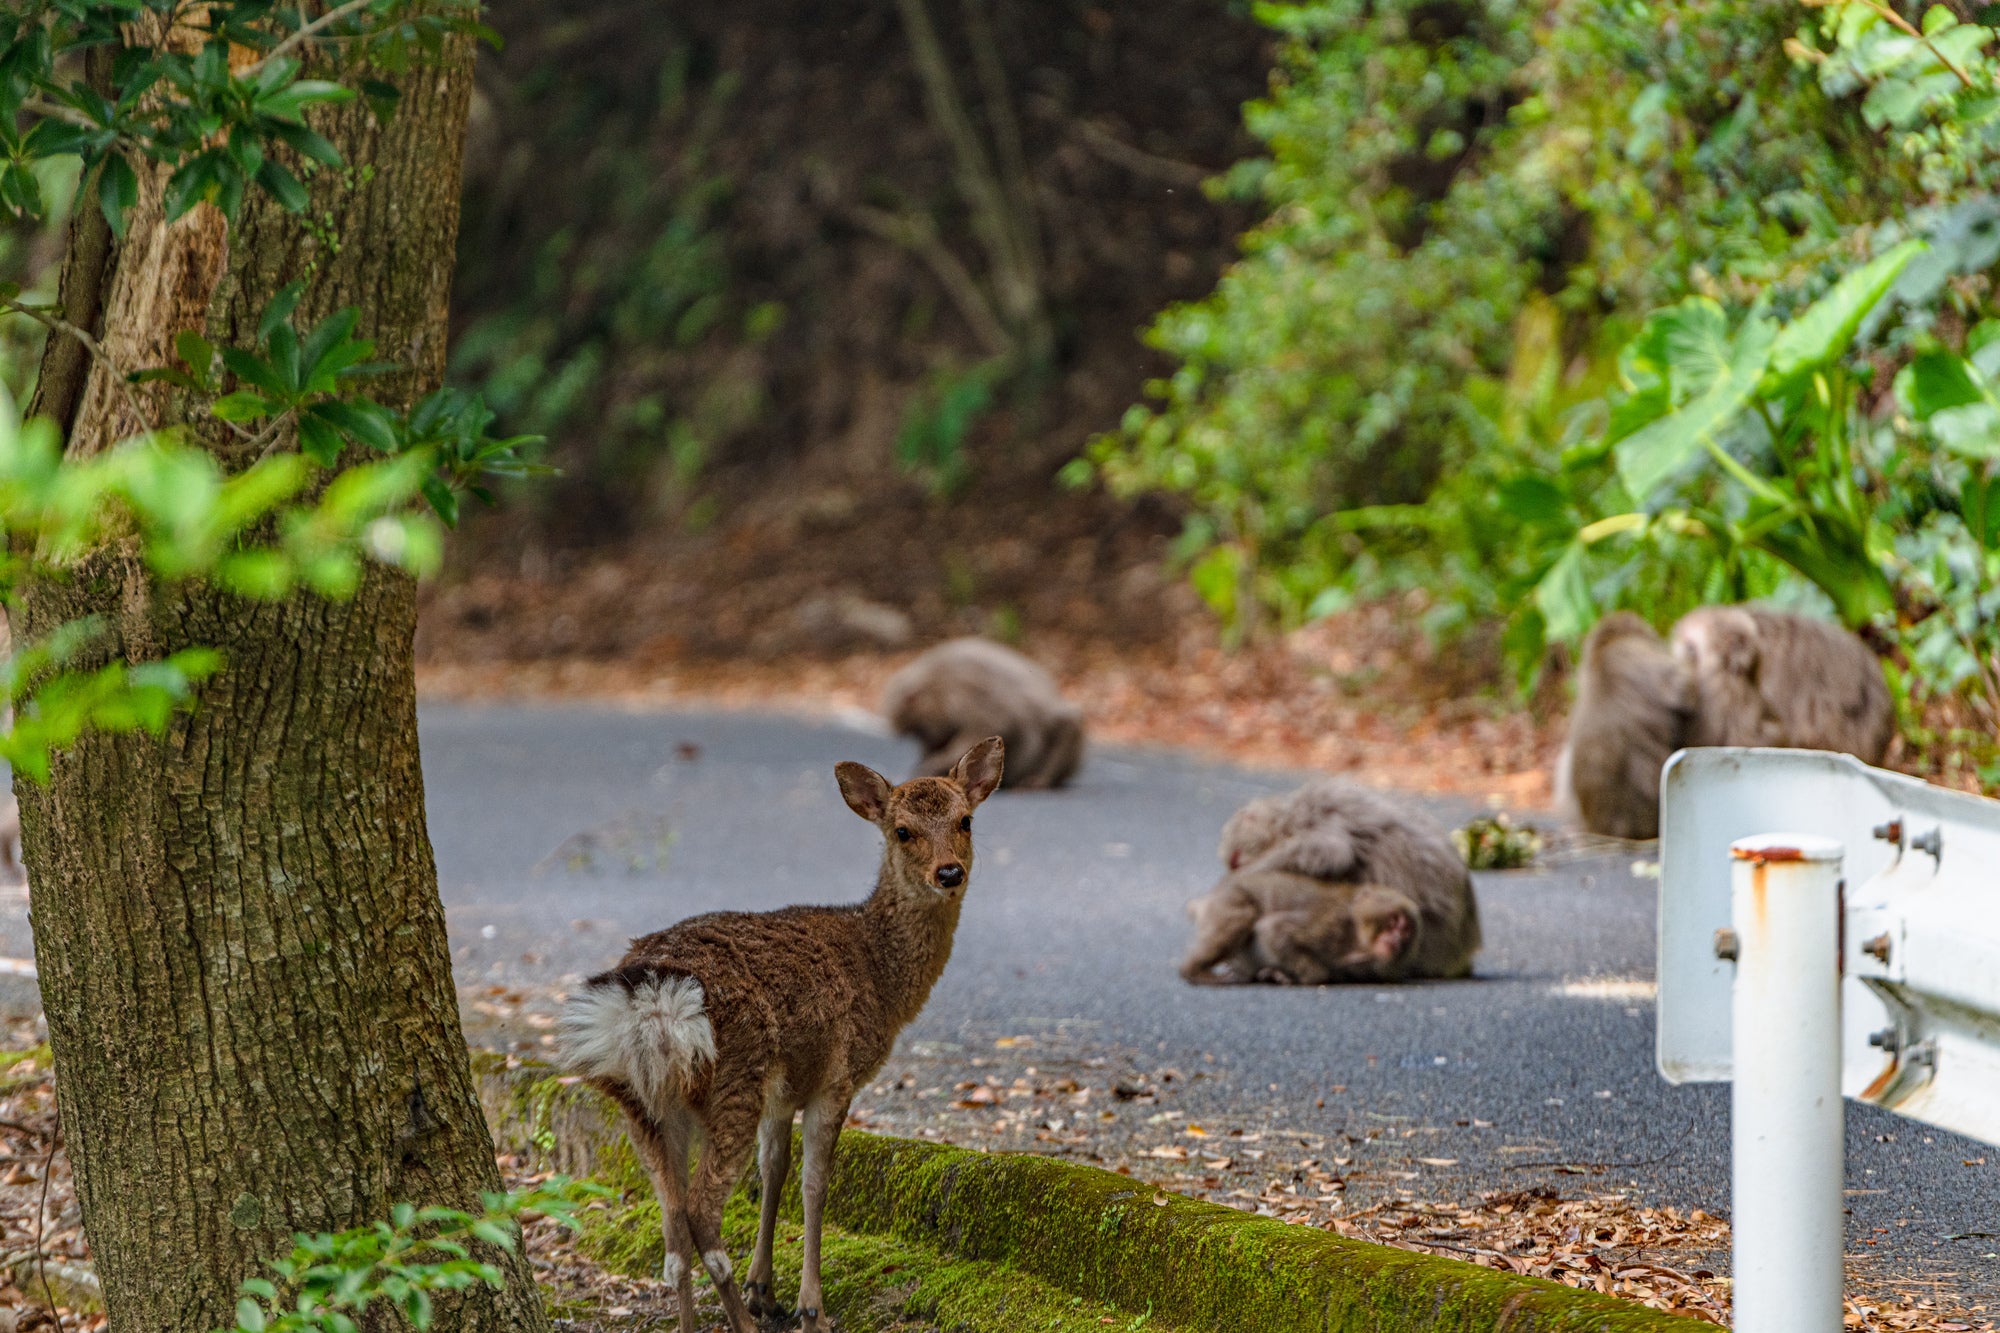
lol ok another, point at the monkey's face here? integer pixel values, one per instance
(1717, 639)
(1383, 926)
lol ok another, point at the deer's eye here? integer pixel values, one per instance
(965, 824)
(902, 834)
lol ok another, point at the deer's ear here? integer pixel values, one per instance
(978, 769)
(865, 791)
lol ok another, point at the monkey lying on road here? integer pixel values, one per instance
(1333, 883)
(1272, 925)
(967, 689)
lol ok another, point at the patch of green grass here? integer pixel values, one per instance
(873, 1283)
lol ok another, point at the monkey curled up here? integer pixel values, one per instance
(965, 689)
(1333, 883)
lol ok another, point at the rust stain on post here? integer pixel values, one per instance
(1766, 855)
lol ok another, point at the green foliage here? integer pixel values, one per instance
(1435, 171)
(330, 1281)
(932, 438)
(1496, 842)
(215, 126)
(187, 518)
(271, 520)
(628, 276)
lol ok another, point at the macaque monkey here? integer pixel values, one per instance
(1293, 930)
(967, 689)
(1635, 705)
(1765, 677)
(1333, 883)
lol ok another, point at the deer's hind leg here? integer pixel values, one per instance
(663, 1144)
(729, 1130)
(825, 1115)
(774, 1163)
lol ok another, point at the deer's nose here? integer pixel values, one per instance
(950, 875)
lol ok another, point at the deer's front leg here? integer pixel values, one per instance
(825, 1115)
(774, 1162)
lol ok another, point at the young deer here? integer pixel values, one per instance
(723, 1027)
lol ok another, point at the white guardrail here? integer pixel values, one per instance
(1827, 929)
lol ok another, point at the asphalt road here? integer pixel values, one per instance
(560, 831)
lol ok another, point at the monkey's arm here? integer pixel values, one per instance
(1321, 853)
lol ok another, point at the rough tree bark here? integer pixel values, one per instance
(238, 929)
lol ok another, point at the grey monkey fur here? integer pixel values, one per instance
(1275, 926)
(966, 689)
(1729, 675)
(1769, 677)
(1345, 838)
(1634, 706)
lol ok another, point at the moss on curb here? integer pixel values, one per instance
(873, 1283)
(981, 1225)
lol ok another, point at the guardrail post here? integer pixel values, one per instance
(1786, 1125)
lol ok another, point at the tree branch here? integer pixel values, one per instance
(1137, 160)
(306, 32)
(56, 324)
(916, 234)
(1016, 284)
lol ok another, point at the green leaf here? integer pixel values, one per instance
(243, 405)
(288, 103)
(362, 420)
(1688, 344)
(1934, 381)
(249, 1316)
(1972, 431)
(1822, 334)
(264, 575)
(117, 191)
(1215, 577)
(442, 499)
(256, 371)
(494, 1233)
(1563, 597)
(283, 186)
(1533, 499)
(279, 308)
(318, 439)
(1836, 560)
(1976, 507)
(1655, 453)
(196, 352)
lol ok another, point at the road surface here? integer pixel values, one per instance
(560, 831)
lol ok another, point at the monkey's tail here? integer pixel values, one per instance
(648, 1031)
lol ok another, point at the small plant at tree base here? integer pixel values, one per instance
(1496, 842)
(330, 1281)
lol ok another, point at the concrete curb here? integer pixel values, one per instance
(1103, 1237)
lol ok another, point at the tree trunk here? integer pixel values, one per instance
(241, 945)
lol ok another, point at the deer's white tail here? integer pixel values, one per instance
(651, 1036)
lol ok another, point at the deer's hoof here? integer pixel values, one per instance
(762, 1303)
